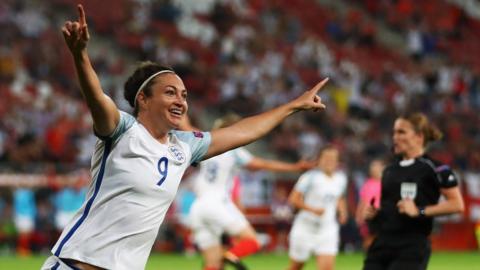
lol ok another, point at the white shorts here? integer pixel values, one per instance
(24, 224)
(54, 263)
(210, 217)
(303, 241)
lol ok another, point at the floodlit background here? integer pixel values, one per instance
(383, 57)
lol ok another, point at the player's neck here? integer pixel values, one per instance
(158, 133)
(413, 153)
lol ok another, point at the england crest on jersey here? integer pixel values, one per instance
(408, 190)
(176, 153)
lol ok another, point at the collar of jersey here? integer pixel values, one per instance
(406, 162)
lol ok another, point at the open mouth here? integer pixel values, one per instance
(176, 112)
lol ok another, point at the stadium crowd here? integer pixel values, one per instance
(241, 56)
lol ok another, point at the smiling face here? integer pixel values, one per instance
(406, 141)
(167, 104)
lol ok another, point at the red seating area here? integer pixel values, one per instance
(458, 36)
(109, 15)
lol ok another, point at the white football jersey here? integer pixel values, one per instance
(320, 191)
(134, 181)
(216, 173)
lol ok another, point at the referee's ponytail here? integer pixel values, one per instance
(422, 125)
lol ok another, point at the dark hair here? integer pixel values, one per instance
(421, 125)
(133, 83)
(327, 147)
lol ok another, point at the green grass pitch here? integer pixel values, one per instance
(439, 261)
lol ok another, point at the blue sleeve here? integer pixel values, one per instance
(126, 122)
(242, 156)
(198, 142)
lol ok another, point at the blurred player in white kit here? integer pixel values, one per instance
(319, 197)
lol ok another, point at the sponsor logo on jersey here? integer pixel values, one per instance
(408, 190)
(177, 154)
(198, 134)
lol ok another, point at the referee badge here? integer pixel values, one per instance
(177, 154)
(408, 190)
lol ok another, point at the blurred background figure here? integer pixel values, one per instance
(319, 196)
(214, 210)
(25, 212)
(8, 233)
(370, 193)
(282, 214)
(68, 199)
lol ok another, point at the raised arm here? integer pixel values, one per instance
(104, 111)
(251, 128)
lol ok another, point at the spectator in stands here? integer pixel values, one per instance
(139, 160)
(411, 188)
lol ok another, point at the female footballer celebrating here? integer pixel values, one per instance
(139, 160)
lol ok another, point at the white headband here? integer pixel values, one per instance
(146, 82)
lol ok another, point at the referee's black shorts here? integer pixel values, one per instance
(410, 252)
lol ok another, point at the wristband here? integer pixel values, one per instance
(421, 212)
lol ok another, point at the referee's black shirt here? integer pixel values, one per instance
(421, 178)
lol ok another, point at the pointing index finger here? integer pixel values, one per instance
(81, 15)
(320, 85)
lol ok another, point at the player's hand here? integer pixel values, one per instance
(310, 99)
(318, 211)
(76, 33)
(370, 211)
(342, 217)
(408, 207)
(303, 165)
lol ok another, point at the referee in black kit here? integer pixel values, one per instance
(411, 188)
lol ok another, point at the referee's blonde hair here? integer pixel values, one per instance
(227, 120)
(422, 125)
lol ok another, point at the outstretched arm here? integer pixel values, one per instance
(250, 129)
(104, 111)
(277, 166)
